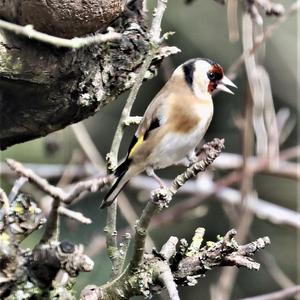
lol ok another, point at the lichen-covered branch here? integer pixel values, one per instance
(165, 275)
(226, 252)
(186, 267)
(133, 281)
(32, 272)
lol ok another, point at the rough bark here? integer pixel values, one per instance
(43, 89)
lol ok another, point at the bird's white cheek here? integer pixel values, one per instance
(200, 88)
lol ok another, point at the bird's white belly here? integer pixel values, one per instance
(176, 146)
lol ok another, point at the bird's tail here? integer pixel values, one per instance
(123, 173)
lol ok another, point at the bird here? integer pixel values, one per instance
(173, 124)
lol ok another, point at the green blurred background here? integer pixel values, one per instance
(201, 31)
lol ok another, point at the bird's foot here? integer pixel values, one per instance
(150, 172)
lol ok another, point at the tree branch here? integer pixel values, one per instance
(163, 196)
(112, 156)
(74, 43)
(92, 185)
(167, 279)
(33, 271)
(186, 267)
(268, 32)
(283, 294)
(75, 215)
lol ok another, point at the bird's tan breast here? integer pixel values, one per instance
(186, 112)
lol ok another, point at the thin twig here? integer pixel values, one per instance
(169, 248)
(123, 249)
(65, 179)
(111, 239)
(74, 43)
(52, 226)
(232, 20)
(51, 233)
(112, 156)
(229, 161)
(263, 209)
(5, 202)
(141, 234)
(253, 12)
(88, 146)
(167, 279)
(87, 185)
(212, 151)
(280, 295)
(37, 180)
(268, 32)
(92, 185)
(75, 215)
(276, 273)
(196, 242)
(16, 188)
(228, 276)
(53, 171)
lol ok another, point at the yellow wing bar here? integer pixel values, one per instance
(136, 145)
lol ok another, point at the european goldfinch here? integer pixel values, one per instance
(174, 122)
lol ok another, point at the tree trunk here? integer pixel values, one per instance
(43, 88)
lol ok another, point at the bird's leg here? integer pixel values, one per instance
(150, 172)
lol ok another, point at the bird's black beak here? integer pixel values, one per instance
(222, 85)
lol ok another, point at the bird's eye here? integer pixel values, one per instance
(211, 76)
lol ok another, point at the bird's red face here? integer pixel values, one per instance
(217, 80)
(203, 76)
